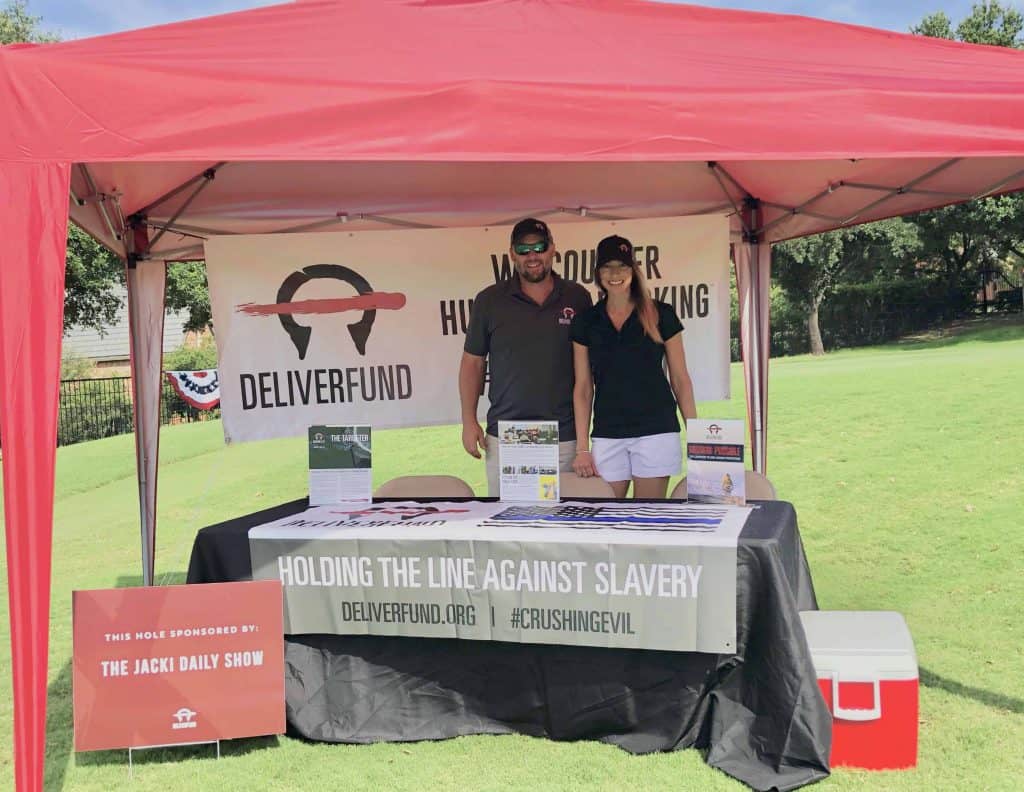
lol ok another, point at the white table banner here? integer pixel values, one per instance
(626, 575)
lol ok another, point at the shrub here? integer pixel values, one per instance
(188, 358)
(192, 358)
(74, 367)
(91, 409)
(788, 326)
(860, 314)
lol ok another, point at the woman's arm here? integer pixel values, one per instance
(583, 403)
(679, 377)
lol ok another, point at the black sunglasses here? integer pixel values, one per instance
(523, 248)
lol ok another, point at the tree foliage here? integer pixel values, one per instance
(92, 275)
(988, 23)
(187, 291)
(959, 242)
(811, 268)
(17, 25)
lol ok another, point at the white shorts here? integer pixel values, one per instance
(626, 458)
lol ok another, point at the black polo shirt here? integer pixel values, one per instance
(632, 395)
(529, 350)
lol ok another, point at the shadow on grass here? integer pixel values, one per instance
(991, 328)
(162, 755)
(59, 729)
(160, 579)
(986, 697)
(60, 741)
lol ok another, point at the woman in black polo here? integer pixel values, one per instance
(619, 347)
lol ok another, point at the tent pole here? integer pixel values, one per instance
(761, 262)
(146, 284)
(753, 271)
(33, 230)
(756, 436)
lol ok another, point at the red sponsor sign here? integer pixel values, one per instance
(177, 664)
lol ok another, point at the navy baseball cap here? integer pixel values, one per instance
(530, 226)
(614, 248)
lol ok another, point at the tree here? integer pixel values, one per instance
(810, 268)
(960, 241)
(187, 291)
(91, 277)
(935, 25)
(988, 23)
(17, 25)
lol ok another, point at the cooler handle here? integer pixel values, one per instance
(842, 713)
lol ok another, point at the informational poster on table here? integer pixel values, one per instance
(714, 461)
(339, 465)
(528, 460)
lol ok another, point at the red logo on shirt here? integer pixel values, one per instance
(567, 315)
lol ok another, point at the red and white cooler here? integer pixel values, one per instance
(867, 671)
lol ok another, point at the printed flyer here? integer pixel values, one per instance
(714, 462)
(528, 460)
(339, 465)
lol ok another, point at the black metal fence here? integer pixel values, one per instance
(94, 408)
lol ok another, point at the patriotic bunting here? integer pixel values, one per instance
(201, 389)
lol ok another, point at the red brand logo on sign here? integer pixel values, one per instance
(177, 664)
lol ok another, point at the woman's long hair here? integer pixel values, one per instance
(646, 310)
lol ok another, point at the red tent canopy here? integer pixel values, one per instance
(467, 113)
(462, 112)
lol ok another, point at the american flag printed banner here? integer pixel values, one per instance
(622, 517)
(200, 389)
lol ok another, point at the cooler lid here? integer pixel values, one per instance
(860, 645)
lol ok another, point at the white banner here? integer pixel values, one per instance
(368, 327)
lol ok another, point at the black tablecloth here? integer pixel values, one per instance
(758, 712)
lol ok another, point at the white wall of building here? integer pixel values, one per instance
(112, 345)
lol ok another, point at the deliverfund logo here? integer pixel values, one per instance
(300, 387)
(403, 513)
(285, 309)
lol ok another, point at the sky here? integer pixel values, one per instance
(79, 18)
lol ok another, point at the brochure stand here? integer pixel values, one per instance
(528, 460)
(714, 462)
(339, 465)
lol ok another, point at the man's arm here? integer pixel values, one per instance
(471, 384)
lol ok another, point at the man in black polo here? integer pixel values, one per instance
(522, 326)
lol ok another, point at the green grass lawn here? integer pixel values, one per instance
(905, 464)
